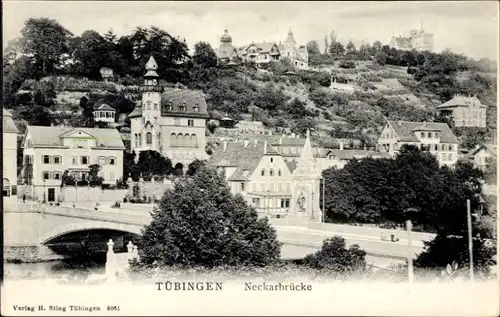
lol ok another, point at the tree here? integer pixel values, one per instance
(89, 54)
(336, 258)
(200, 223)
(336, 49)
(350, 48)
(381, 58)
(94, 178)
(153, 163)
(204, 56)
(194, 166)
(47, 42)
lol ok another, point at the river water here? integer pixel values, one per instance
(75, 268)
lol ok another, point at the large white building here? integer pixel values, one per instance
(418, 40)
(435, 136)
(298, 55)
(50, 151)
(465, 111)
(259, 172)
(170, 121)
(9, 159)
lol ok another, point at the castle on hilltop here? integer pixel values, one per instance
(418, 40)
(262, 53)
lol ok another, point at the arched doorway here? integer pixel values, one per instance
(178, 169)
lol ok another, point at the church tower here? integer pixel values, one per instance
(305, 186)
(290, 46)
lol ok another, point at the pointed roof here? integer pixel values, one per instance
(151, 67)
(290, 38)
(306, 165)
(8, 123)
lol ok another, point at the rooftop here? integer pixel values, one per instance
(461, 101)
(405, 130)
(8, 123)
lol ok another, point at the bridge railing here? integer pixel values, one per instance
(118, 262)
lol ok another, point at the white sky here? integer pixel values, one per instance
(464, 27)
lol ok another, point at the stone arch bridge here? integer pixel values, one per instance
(30, 228)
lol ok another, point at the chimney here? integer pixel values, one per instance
(341, 145)
(224, 146)
(245, 143)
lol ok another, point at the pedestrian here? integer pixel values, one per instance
(24, 198)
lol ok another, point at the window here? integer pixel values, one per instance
(193, 141)
(190, 123)
(288, 187)
(75, 160)
(177, 121)
(450, 147)
(102, 160)
(173, 139)
(112, 160)
(57, 175)
(136, 138)
(263, 172)
(271, 187)
(149, 138)
(46, 175)
(256, 202)
(436, 135)
(435, 147)
(242, 186)
(139, 139)
(443, 147)
(46, 159)
(169, 106)
(429, 135)
(108, 115)
(85, 160)
(285, 150)
(450, 156)
(271, 172)
(422, 134)
(271, 159)
(183, 106)
(196, 108)
(285, 202)
(263, 187)
(279, 172)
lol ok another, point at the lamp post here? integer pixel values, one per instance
(44, 182)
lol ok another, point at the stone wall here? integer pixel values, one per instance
(151, 189)
(73, 193)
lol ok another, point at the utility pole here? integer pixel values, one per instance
(410, 255)
(469, 231)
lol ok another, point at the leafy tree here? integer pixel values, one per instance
(444, 250)
(47, 42)
(350, 48)
(153, 163)
(336, 258)
(381, 58)
(336, 49)
(94, 178)
(194, 166)
(89, 54)
(200, 223)
(204, 56)
(270, 98)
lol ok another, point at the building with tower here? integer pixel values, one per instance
(418, 40)
(170, 121)
(297, 55)
(226, 53)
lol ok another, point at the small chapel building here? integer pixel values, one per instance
(170, 121)
(275, 187)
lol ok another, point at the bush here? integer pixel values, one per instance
(347, 64)
(200, 223)
(336, 258)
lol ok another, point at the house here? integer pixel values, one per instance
(104, 113)
(338, 158)
(170, 121)
(418, 40)
(435, 136)
(9, 159)
(298, 56)
(465, 111)
(257, 170)
(481, 156)
(260, 53)
(106, 73)
(50, 151)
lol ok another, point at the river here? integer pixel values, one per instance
(75, 268)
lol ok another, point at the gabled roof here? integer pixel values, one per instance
(244, 158)
(8, 123)
(263, 48)
(461, 101)
(52, 136)
(405, 130)
(487, 147)
(392, 83)
(104, 107)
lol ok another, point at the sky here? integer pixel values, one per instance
(464, 27)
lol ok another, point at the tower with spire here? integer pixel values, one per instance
(305, 185)
(226, 53)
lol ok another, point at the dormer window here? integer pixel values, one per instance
(169, 106)
(196, 108)
(182, 107)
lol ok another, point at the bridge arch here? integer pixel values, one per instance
(74, 227)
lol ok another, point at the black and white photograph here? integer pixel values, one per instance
(222, 158)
